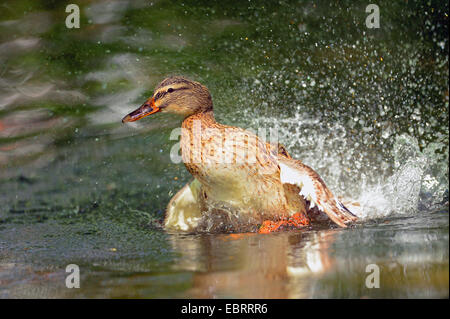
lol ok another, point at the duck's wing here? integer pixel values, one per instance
(184, 210)
(313, 189)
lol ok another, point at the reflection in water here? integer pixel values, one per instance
(412, 257)
(254, 266)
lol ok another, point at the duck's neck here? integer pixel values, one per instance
(192, 134)
(206, 119)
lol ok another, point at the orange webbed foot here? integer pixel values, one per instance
(295, 221)
(269, 226)
(299, 220)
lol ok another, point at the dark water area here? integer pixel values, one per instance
(366, 108)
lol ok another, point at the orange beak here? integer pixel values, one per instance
(144, 110)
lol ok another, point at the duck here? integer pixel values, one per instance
(241, 183)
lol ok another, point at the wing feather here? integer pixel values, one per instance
(313, 189)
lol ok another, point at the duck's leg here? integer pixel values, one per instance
(297, 220)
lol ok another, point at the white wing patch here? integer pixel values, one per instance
(289, 175)
(313, 189)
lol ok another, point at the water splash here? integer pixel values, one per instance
(399, 193)
(410, 181)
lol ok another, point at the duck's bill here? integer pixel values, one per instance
(144, 110)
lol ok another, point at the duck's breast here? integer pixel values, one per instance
(234, 166)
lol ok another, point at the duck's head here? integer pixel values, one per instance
(176, 95)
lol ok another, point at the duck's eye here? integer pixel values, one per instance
(170, 90)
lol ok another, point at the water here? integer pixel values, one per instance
(366, 108)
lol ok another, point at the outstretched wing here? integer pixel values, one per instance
(313, 189)
(184, 209)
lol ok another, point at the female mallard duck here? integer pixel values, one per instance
(241, 182)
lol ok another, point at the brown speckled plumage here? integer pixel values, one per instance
(271, 185)
(260, 195)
